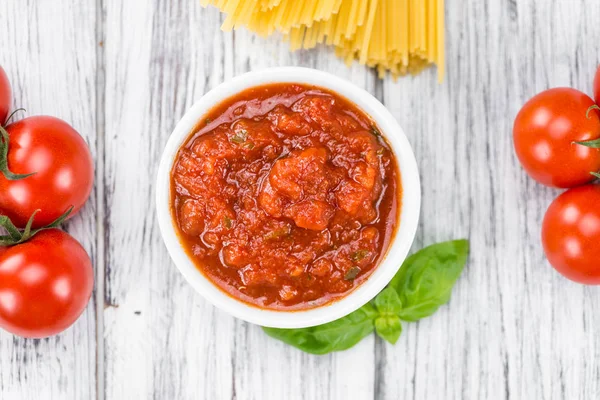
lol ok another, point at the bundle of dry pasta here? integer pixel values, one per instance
(399, 36)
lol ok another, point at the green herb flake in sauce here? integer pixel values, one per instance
(277, 233)
(227, 222)
(359, 255)
(352, 274)
(240, 137)
(375, 131)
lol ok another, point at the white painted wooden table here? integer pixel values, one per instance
(123, 72)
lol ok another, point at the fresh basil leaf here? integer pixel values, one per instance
(389, 328)
(425, 281)
(422, 285)
(338, 335)
(388, 302)
(389, 305)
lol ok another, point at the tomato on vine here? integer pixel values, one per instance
(44, 165)
(571, 234)
(46, 279)
(556, 135)
(46, 175)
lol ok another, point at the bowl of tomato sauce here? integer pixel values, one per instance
(288, 197)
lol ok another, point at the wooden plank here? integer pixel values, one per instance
(159, 60)
(514, 328)
(49, 52)
(161, 339)
(277, 371)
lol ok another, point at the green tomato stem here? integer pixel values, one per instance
(593, 144)
(16, 236)
(12, 114)
(592, 107)
(4, 139)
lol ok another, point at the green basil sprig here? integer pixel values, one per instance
(421, 286)
(337, 335)
(426, 279)
(387, 323)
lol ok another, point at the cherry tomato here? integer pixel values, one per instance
(62, 166)
(45, 284)
(571, 234)
(597, 86)
(5, 96)
(544, 134)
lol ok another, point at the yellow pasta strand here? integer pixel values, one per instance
(368, 27)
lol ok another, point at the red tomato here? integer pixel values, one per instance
(544, 132)
(597, 86)
(45, 284)
(571, 234)
(63, 167)
(5, 96)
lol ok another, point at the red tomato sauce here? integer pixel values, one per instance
(286, 196)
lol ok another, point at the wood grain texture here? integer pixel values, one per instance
(184, 348)
(49, 52)
(514, 329)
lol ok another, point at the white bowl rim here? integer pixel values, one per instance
(398, 248)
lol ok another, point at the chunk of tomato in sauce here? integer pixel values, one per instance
(298, 189)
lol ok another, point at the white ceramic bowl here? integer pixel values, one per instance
(399, 247)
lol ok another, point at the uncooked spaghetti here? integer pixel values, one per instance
(394, 36)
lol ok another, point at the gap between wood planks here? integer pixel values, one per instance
(378, 346)
(100, 198)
